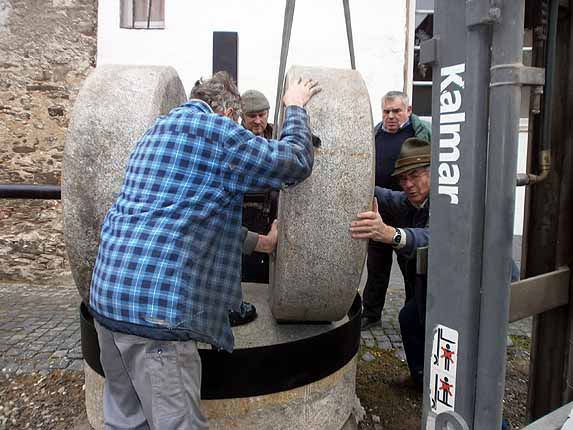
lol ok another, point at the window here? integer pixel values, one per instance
(422, 76)
(422, 73)
(142, 14)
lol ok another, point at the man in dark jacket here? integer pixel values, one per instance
(409, 210)
(398, 124)
(254, 117)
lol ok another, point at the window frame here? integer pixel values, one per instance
(412, 84)
(129, 19)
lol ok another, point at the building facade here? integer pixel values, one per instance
(47, 48)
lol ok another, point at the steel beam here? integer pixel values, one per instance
(504, 113)
(539, 294)
(459, 130)
(549, 349)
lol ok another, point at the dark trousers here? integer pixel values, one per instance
(412, 320)
(379, 265)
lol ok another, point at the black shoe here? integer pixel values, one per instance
(367, 322)
(247, 314)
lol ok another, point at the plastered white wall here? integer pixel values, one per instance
(318, 39)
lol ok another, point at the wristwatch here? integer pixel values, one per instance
(397, 238)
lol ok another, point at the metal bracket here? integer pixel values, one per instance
(450, 420)
(429, 50)
(422, 260)
(539, 294)
(481, 13)
(516, 74)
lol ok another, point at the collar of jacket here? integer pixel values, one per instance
(423, 205)
(380, 126)
(199, 104)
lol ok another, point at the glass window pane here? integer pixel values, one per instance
(425, 4)
(126, 14)
(142, 14)
(422, 100)
(424, 29)
(422, 72)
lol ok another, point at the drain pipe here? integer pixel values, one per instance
(544, 156)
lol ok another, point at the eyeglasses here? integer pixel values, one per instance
(412, 176)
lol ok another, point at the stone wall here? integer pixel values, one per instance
(47, 47)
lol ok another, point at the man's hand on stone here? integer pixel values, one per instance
(370, 225)
(299, 93)
(267, 242)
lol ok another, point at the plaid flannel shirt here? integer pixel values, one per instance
(170, 249)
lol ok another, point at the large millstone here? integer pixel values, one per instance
(318, 266)
(317, 402)
(280, 377)
(115, 106)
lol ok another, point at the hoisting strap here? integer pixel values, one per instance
(349, 33)
(287, 27)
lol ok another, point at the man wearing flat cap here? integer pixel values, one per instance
(409, 209)
(255, 116)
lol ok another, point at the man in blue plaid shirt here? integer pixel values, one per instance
(168, 267)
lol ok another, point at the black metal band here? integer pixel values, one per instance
(249, 372)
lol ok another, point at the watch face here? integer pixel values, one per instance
(397, 237)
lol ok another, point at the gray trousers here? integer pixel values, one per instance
(150, 384)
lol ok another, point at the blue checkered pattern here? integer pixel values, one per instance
(170, 248)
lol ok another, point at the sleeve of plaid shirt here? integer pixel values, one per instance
(255, 164)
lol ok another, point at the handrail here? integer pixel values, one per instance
(30, 191)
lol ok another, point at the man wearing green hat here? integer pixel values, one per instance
(255, 113)
(409, 210)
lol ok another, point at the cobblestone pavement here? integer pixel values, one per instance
(40, 328)
(387, 334)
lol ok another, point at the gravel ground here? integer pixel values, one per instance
(55, 399)
(42, 400)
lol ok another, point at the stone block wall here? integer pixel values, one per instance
(47, 48)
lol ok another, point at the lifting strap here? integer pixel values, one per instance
(349, 33)
(287, 27)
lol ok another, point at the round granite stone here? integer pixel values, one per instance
(115, 106)
(318, 265)
(324, 404)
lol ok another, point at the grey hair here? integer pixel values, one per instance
(397, 95)
(220, 92)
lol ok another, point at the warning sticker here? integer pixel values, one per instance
(443, 368)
